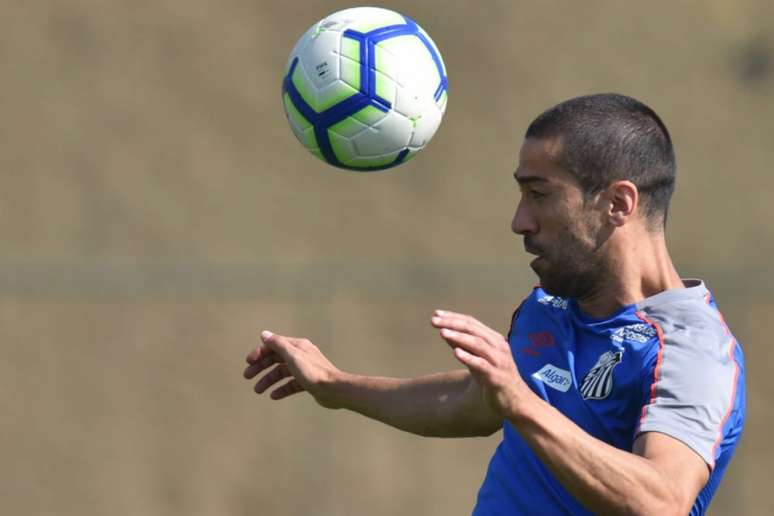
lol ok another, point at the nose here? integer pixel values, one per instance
(523, 222)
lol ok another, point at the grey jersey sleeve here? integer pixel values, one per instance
(692, 378)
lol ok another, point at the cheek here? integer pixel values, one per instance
(562, 223)
(585, 236)
(574, 234)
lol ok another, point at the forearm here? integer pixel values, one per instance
(603, 478)
(438, 405)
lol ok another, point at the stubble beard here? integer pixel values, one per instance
(570, 277)
(573, 268)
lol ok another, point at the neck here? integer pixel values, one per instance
(639, 266)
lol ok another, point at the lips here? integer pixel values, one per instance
(531, 249)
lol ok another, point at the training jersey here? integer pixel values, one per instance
(668, 364)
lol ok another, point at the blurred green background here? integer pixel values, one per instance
(157, 213)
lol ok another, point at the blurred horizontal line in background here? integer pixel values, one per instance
(315, 280)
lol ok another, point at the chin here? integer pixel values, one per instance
(560, 285)
(548, 288)
(543, 279)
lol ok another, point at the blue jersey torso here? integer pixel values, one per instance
(598, 373)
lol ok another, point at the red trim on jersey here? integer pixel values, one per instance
(731, 349)
(707, 299)
(733, 397)
(659, 360)
(657, 377)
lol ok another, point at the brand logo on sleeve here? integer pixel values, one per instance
(554, 377)
(598, 383)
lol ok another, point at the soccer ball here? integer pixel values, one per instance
(365, 89)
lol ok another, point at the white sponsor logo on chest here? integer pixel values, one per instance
(636, 332)
(554, 377)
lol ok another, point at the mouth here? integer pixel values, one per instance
(532, 250)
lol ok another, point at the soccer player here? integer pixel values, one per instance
(619, 388)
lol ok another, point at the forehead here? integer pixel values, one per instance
(539, 162)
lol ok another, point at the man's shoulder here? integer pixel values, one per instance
(697, 386)
(689, 319)
(539, 299)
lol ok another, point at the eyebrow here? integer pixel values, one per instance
(524, 180)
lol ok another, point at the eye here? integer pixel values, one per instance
(534, 194)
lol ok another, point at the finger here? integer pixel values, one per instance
(279, 344)
(297, 342)
(256, 367)
(290, 388)
(470, 343)
(257, 354)
(272, 377)
(464, 323)
(262, 349)
(477, 365)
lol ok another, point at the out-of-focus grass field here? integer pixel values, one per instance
(156, 213)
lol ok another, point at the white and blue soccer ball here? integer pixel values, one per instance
(365, 89)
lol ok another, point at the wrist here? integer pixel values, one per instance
(523, 405)
(336, 391)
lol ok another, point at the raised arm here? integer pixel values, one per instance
(661, 476)
(447, 404)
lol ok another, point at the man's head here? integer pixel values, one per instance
(587, 166)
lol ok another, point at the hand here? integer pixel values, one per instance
(487, 355)
(297, 359)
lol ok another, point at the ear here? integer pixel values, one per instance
(624, 199)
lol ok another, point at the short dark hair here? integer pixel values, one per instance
(607, 137)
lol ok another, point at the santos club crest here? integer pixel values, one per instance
(599, 381)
